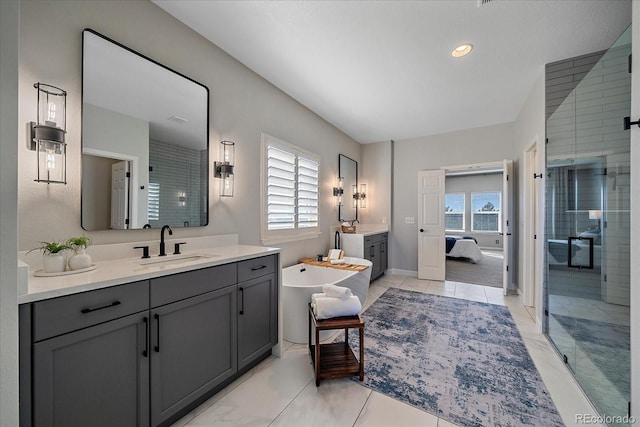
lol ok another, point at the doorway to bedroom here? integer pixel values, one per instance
(473, 225)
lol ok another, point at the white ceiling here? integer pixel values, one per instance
(381, 70)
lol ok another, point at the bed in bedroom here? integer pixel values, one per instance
(463, 247)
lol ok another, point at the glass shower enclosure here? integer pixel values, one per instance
(588, 223)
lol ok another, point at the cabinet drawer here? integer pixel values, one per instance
(65, 314)
(167, 289)
(375, 238)
(256, 267)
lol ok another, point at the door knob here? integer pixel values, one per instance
(422, 230)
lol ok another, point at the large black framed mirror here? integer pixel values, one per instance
(145, 141)
(348, 170)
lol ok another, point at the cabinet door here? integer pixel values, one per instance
(98, 376)
(193, 349)
(384, 257)
(257, 318)
(373, 255)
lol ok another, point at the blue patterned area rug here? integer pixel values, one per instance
(461, 360)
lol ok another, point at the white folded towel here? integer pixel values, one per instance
(336, 291)
(335, 254)
(328, 307)
(337, 261)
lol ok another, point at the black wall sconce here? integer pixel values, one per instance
(339, 191)
(224, 168)
(46, 135)
(361, 196)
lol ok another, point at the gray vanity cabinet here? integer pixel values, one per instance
(93, 377)
(89, 358)
(145, 353)
(193, 349)
(193, 337)
(375, 250)
(257, 308)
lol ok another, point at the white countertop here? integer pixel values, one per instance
(119, 271)
(370, 229)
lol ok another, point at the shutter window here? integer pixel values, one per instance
(292, 189)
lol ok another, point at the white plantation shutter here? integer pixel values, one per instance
(291, 182)
(308, 191)
(281, 189)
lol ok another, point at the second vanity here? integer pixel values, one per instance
(135, 344)
(369, 242)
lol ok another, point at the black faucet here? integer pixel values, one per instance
(164, 227)
(336, 240)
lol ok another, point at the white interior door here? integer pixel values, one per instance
(507, 225)
(431, 245)
(119, 195)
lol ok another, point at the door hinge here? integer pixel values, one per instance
(126, 221)
(507, 177)
(546, 140)
(605, 277)
(546, 312)
(604, 171)
(507, 268)
(605, 224)
(150, 168)
(629, 411)
(128, 175)
(535, 236)
(630, 62)
(565, 358)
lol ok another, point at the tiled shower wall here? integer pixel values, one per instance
(586, 100)
(178, 170)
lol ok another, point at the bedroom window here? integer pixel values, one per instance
(454, 212)
(291, 190)
(485, 212)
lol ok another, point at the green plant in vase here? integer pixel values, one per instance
(53, 257)
(80, 259)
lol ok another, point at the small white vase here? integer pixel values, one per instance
(80, 260)
(54, 263)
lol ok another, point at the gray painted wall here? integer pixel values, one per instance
(9, 42)
(242, 105)
(487, 144)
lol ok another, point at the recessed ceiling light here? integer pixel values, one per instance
(462, 50)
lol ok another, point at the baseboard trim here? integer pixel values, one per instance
(410, 273)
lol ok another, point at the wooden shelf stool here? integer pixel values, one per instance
(336, 360)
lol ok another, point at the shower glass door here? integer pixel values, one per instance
(588, 225)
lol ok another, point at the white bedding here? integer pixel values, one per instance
(466, 248)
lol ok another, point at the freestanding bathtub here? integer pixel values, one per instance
(301, 280)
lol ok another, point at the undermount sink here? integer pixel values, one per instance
(173, 259)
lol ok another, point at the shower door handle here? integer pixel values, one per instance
(570, 241)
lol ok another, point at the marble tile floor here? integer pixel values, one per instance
(602, 389)
(282, 391)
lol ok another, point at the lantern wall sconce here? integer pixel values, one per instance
(339, 191)
(46, 135)
(224, 168)
(361, 196)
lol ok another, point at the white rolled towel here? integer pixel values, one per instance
(336, 291)
(314, 297)
(328, 307)
(337, 261)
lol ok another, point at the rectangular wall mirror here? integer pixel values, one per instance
(348, 170)
(145, 144)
